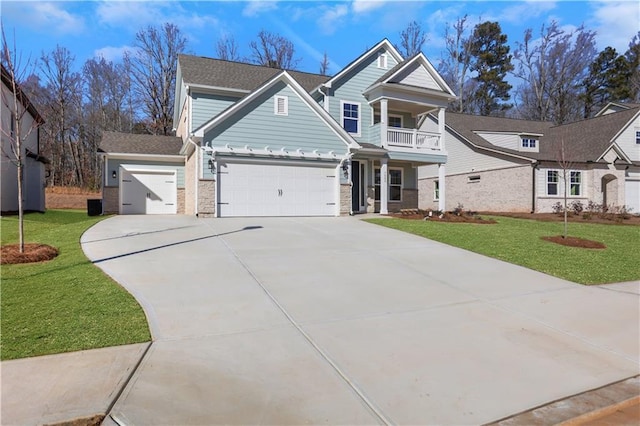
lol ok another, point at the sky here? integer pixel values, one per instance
(342, 29)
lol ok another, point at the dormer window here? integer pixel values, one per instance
(382, 61)
(529, 143)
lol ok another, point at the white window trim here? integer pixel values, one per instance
(568, 187)
(563, 186)
(529, 140)
(374, 113)
(342, 103)
(637, 135)
(382, 60)
(558, 183)
(285, 103)
(390, 185)
(436, 190)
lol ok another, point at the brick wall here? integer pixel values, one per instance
(206, 198)
(345, 199)
(110, 199)
(180, 200)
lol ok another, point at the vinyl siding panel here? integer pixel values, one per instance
(627, 140)
(207, 106)
(350, 87)
(257, 126)
(114, 164)
(418, 76)
(502, 140)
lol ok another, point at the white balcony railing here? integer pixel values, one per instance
(413, 139)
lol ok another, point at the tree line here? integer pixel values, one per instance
(561, 78)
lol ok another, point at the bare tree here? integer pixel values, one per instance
(552, 69)
(456, 63)
(23, 122)
(227, 49)
(324, 64)
(273, 51)
(565, 165)
(412, 38)
(154, 69)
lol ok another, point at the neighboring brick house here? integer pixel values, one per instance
(34, 164)
(257, 141)
(501, 164)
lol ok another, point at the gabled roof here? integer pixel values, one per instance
(22, 97)
(403, 65)
(218, 73)
(616, 105)
(285, 77)
(585, 141)
(384, 43)
(131, 143)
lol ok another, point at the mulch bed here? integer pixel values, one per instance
(575, 242)
(447, 217)
(10, 253)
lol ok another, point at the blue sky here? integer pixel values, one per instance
(344, 29)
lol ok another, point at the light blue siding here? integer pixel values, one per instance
(207, 106)
(257, 126)
(114, 164)
(349, 88)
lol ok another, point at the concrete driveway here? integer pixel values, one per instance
(337, 321)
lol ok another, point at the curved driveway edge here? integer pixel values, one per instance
(333, 320)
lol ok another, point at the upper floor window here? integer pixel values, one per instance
(382, 60)
(638, 137)
(529, 142)
(351, 117)
(281, 105)
(552, 182)
(395, 121)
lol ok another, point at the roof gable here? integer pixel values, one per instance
(416, 71)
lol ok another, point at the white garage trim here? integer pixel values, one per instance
(254, 187)
(147, 191)
(632, 195)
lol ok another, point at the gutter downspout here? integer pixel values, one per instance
(196, 175)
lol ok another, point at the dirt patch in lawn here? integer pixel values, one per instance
(575, 242)
(62, 197)
(10, 253)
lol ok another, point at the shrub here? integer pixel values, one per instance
(459, 210)
(577, 207)
(558, 208)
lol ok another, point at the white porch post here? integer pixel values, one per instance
(441, 188)
(441, 129)
(384, 186)
(384, 112)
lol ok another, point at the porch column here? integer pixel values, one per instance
(441, 187)
(441, 129)
(384, 186)
(384, 122)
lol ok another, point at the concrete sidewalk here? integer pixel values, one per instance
(289, 321)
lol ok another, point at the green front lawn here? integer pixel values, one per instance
(518, 241)
(66, 304)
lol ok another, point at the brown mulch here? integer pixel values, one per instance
(447, 217)
(575, 242)
(33, 252)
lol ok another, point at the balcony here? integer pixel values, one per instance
(402, 139)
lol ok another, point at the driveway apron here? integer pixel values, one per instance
(337, 321)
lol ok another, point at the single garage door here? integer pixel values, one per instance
(259, 189)
(148, 191)
(632, 195)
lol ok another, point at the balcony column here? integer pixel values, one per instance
(384, 122)
(384, 186)
(441, 128)
(441, 188)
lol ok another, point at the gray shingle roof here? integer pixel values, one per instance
(584, 140)
(130, 143)
(237, 75)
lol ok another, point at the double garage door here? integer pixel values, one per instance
(260, 189)
(148, 191)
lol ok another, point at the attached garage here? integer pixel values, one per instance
(148, 191)
(277, 189)
(632, 195)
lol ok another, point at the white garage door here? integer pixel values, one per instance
(148, 192)
(632, 195)
(258, 189)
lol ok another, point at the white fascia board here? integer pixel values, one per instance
(623, 128)
(153, 157)
(384, 43)
(217, 89)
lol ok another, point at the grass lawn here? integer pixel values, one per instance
(518, 241)
(66, 304)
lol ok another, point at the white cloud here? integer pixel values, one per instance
(49, 17)
(131, 15)
(257, 7)
(331, 19)
(112, 53)
(519, 12)
(615, 22)
(363, 6)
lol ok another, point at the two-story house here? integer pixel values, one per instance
(501, 164)
(26, 115)
(257, 141)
